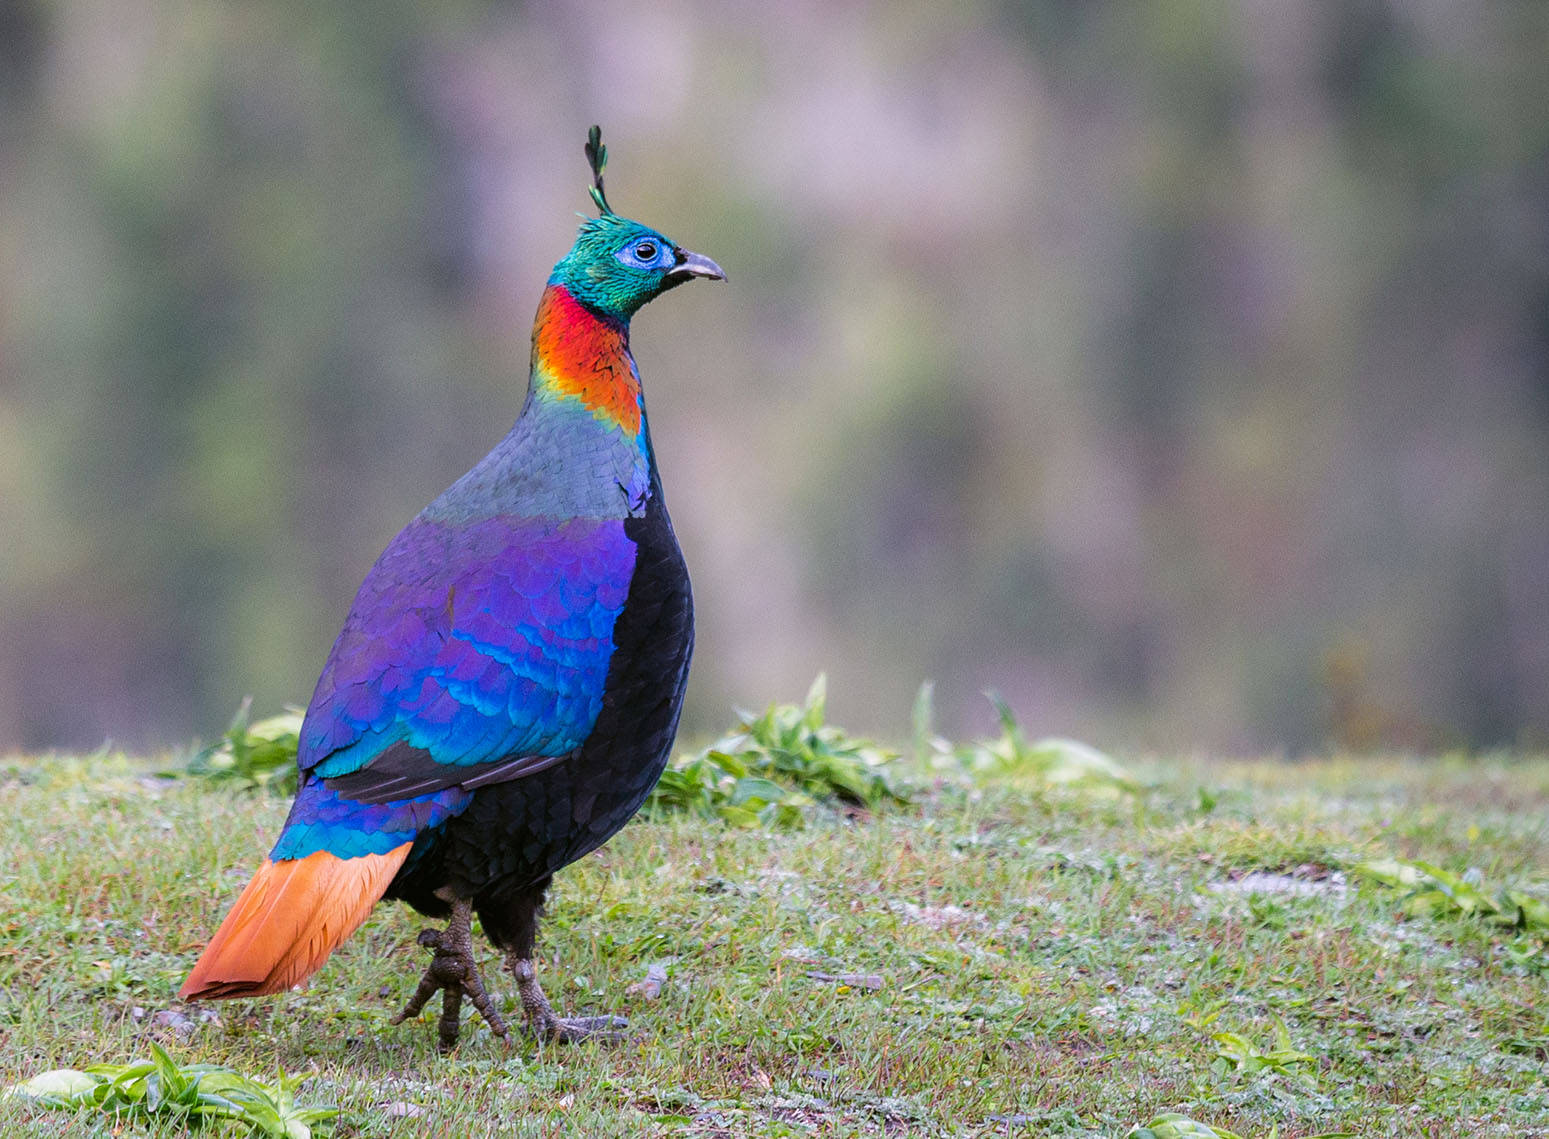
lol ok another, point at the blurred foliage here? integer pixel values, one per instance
(1045, 763)
(769, 769)
(1241, 1055)
(195, 1096)
(1177, 372)
(1430, 891)
(259, 756)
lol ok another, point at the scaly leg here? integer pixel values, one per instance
(453, 973)
(542, 1021)
(515, 929)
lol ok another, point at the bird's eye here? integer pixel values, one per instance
(646, 251)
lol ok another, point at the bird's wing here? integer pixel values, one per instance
(474, 653)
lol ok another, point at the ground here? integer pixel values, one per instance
(1003, 959)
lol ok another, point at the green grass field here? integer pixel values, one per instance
(996, 959)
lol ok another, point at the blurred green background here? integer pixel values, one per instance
(1178, 369)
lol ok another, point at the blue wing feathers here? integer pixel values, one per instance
(472, 645)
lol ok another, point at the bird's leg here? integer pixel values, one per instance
(542, 1021)
(545, 1024)
(453, 973)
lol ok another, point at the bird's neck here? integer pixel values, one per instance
(580, 356)
(581, 447)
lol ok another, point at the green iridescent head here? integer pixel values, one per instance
(616, 265)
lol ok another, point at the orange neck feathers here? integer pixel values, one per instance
(583, 356)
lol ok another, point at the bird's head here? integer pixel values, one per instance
(616, 265)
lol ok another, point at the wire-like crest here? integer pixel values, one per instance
(597, 155)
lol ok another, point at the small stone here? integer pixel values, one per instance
(399, 1109)
(174, 1022)
(651, 988)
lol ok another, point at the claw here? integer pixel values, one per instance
(453, 973)
(573, 1029)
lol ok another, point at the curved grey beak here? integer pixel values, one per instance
(692, 265)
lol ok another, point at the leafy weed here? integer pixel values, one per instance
(250, 756)
(159, 1090)
(771, 769)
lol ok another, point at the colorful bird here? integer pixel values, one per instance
(506, 687)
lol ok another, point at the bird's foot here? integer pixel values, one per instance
(454, 975)
(545, 1024)
(573, 1029)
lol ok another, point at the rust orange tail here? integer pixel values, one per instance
(287, 921)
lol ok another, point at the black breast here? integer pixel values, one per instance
(514, 835)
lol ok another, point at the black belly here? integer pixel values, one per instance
(514, 835)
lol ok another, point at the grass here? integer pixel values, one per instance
(1006, 957)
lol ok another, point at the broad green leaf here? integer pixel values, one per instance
(1069, 761)
(1175, 1125)
(64, 1084)
(816, 706)
(1390, 872)
(1534, 911)
(738, 816)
